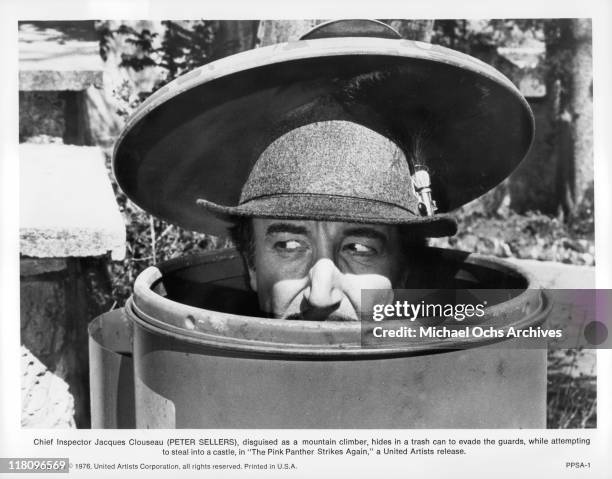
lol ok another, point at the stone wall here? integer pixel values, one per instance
(69, 221)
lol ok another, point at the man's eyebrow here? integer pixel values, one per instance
(366, 233)
(286, 228)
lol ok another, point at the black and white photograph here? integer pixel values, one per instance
(220, 217)
(268, 171)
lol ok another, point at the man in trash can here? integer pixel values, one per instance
(331, 163)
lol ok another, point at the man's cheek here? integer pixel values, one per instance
(285, 296)
(276, 296)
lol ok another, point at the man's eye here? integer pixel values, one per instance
(290, 245)
(360, 249)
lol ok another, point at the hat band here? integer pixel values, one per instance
(293, 195)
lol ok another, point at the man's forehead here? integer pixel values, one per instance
(271, 226)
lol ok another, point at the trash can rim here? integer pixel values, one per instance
(256, 335)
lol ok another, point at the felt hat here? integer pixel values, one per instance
(334, 171)
(260, 134)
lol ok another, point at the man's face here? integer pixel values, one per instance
(315, 270)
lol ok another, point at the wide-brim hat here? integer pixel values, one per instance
(188, 151)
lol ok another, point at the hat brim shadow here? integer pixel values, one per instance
(336, 209)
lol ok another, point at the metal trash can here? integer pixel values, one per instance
(111, 371)
(201, 361)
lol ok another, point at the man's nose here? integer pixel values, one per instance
(325, 289)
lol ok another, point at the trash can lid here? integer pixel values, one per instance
(200, 135)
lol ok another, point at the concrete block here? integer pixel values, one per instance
(58, 56)
(67, 205)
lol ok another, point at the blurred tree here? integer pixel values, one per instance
(567, 68)
(279, 31)
(175, 48)
(185, 45)
(420, 30)
(569, 81)
(233, 36)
